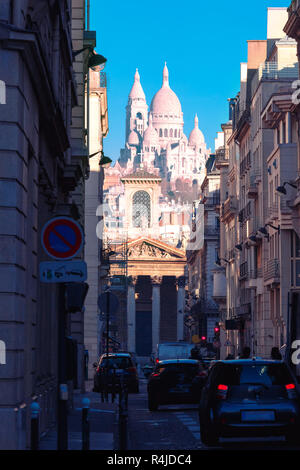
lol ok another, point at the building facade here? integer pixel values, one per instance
(41, 169)
(260, 231)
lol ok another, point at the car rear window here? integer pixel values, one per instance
(265, 374)
(116, 362)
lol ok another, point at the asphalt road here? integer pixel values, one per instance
(176, 427)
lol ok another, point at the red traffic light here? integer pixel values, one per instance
(203, 338)
(217, 329)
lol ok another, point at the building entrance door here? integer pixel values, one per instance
(143, 333)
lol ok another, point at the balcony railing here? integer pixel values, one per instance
(271, 71)
(211, 231)
(272, 269)
(229, 206)
(244, 270)
(103, 82)
(212, 201)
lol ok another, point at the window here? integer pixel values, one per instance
(171, 132)
(160, 133)
(139, 116)
(166, 133)
(141, 209)
(295, 260)
(175, 133)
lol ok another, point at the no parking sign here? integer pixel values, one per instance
(62, 238)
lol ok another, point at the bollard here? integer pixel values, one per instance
(123, 404)
(35, 411)
(85, 424)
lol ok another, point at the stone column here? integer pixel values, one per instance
(131, 315)
(156, 282)
(180, 307)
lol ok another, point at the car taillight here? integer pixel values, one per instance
(222, 392)
(157, 360)
(291, 390)
(98, 369)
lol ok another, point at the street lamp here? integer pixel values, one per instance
(95, 60)
(282, 190)
(253, 238)
(104, 161)
(218, 261)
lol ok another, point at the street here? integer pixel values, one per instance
(176, 427)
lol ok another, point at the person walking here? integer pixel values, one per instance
(275, 354)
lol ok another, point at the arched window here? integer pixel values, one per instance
(166, 132)
(160, 132)
(141, 209)
(139, 116)
(175, 133)
(171, 132)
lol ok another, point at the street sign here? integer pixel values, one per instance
(62, 238)
(108, 302)
(63, 271)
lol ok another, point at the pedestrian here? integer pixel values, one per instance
(195, 353)
(275, 354)
(229, 357)
(246, 353)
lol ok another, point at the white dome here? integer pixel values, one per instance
(165, 100)
(150, 134)
(196, 137)
(133, 138)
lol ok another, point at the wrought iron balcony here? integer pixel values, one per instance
(244, 271)
(229, 207)
(272, 270)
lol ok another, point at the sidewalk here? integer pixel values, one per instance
(102, 425)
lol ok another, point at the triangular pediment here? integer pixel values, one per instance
(148, 248)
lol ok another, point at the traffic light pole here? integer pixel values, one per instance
(62, 391)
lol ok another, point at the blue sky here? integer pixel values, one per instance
(202, 42)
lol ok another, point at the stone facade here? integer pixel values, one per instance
(259, 224)
(38, 175)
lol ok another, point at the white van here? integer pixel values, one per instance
(176, 350)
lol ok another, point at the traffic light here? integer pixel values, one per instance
(217, 331)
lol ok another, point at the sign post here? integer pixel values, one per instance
(62, 239)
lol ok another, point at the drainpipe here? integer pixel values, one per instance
(289, 127)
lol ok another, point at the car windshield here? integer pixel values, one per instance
(116, 362)
(264, 374)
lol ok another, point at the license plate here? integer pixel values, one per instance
(253, 416)
(180, 389)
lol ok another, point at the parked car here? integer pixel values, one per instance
(119, 366)
(175, 381)
(175, 350)
(253, 397)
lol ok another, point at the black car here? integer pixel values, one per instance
(175, 381)
(117, 367)
(253, 397)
